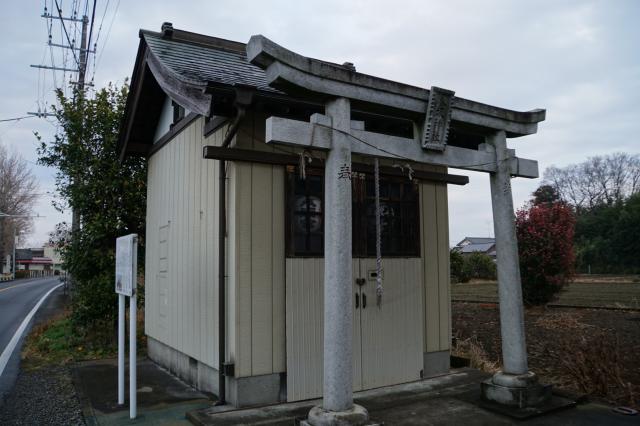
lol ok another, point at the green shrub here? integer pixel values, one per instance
(458, 267)
(481, 266)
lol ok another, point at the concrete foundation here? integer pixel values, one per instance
(256, 390)
(356, 416)
(199, 375)
(241, 391)
(436, 363)
(515, 390)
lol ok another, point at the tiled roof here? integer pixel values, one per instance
(470, 248)
(480, 240)
(206, 62)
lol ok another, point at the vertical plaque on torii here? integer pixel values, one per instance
(436, 124)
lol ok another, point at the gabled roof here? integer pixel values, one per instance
(481, 247)
(204, 75)
(478, 240)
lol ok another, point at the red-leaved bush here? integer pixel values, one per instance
(545, 244)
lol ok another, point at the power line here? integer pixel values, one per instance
(93, 18)
(115, 12)
(64, 27)
(16, 118)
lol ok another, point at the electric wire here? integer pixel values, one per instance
(95, 44)
(115, 12)
(64, 27)
(4, 120)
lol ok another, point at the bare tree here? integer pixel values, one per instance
(18, 187)
(598, 180)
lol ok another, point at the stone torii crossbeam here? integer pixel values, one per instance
(432, 112)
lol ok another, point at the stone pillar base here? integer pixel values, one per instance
(318, 416)
(515, 390)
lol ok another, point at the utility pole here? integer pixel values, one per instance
(75, 215)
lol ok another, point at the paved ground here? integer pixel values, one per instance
(162, 398)
(446, 400)
(43, 396)
(17, 299)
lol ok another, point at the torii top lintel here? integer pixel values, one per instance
(288, 70)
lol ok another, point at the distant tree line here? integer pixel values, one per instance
(604, 192)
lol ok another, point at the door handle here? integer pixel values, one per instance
(361, 281)
(357, 300)
(364, 301)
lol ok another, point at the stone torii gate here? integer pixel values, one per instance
(432, 112)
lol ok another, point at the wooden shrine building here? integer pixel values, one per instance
(235, 229)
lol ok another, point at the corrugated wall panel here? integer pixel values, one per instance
(257, 241)
(443, 266)
(181, 303)
(435, 246)
(305, 293)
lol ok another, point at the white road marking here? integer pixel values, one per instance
(6, 354)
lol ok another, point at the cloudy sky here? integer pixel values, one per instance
(578, 59)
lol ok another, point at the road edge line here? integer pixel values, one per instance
(11, 346)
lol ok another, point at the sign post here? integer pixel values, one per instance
(126, 277)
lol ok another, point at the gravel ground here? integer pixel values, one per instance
(42, 397)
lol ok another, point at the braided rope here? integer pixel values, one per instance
(379, 289)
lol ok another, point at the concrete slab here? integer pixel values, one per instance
(162, 398)
(441, 400)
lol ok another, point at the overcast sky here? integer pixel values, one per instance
(580, 60)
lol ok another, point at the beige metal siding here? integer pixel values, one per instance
(305, 316)
(435, 255)
(256, 232)
(182, 246)
(392, 333)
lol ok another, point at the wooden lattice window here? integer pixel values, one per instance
(399, 206)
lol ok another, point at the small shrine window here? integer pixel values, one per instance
(399, 215)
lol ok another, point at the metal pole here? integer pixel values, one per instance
(133, 385)
(13, 269)
(121, 321)
(133, 318)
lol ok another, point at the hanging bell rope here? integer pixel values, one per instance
(379, 289)
(305, 155)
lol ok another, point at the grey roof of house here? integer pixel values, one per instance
(205, 63)
(483, 247)
(479, 240)
(24, 254)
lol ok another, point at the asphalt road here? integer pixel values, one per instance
(17, 299)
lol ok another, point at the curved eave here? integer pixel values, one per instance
(188, 93)
(289, 71)
(150, 76)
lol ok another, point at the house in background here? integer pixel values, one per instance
(483, 245)
(39, 262)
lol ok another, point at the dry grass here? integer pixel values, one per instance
(593, 361)
(558, 320)
(478, 358)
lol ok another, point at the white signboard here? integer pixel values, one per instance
(126, 252)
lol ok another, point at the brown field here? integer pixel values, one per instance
(597, 291)
(581, 350)
(574, 345)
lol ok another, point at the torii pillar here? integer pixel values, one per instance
(515, 385)
(337, 405)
